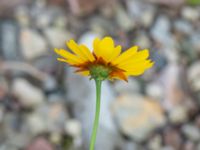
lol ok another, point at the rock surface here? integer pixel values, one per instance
(33, 44)
(137, 116)
(28, 95)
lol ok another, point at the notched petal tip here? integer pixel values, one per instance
(56, 50)
(151, 64)
(62, 60)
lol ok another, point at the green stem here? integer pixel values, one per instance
(96, 120)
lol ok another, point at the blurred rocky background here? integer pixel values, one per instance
(45, 106)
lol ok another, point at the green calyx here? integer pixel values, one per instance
(99, 72)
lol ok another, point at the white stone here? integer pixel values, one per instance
(190, 13)
(61, 21)
(194, 76)
(123, 19)
(107, 140)
(155, 91)
(43, 20)
(192, 132)
(73, 128)
(22, 16)
(141, 12)
(194, 39)
(162, 25)
(183, 26)
(57, 37)
(49, 117)
(122, 87)
(178, 115)
(36, 124)
(155, 143)
(33, 44)
(143, 40)
(173, 92)
(28, 95)
(55, 137)
(88, 38)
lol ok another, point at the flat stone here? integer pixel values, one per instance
(190, 13)
(178, 114)
(171, 82)
(40, 144)
(155, 143)
(137, 116)
(123, 19)
(49, 117)
(33, 44)
(82, 7)
(9, 42)
(22, 16)
(191, 132)
(142, 40)
(194, 39)
(162, 25)
(155, 90)
(141, 12)
(194, 76)
(57, 37)
(172, 138)
(183, 26)
(122, 88)
(27, 94)
(73, 128)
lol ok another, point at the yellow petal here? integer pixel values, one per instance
(67, 55)
(116, 53)
(62, 60)
(95, 45)
(118, 75)
(126, 55)
(136, 72)
(139, 68)
(87, 52)
(71, 62)
(84, 73)
(74, 47)
(142, 65)
(138, 57)
(104, 48)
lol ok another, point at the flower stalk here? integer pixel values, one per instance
(105, 62)
(97, 113)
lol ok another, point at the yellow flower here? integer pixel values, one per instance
(106, 60)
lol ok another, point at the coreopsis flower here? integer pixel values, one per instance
(106, 61)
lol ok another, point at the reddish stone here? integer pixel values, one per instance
(85, 7)
(40, 144)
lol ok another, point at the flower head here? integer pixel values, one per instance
(106, 61)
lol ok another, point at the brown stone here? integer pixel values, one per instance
(172, 137)
(7, 6)
(171, 3)
(85, 7)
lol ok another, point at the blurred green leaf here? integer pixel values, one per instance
(193, 2)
